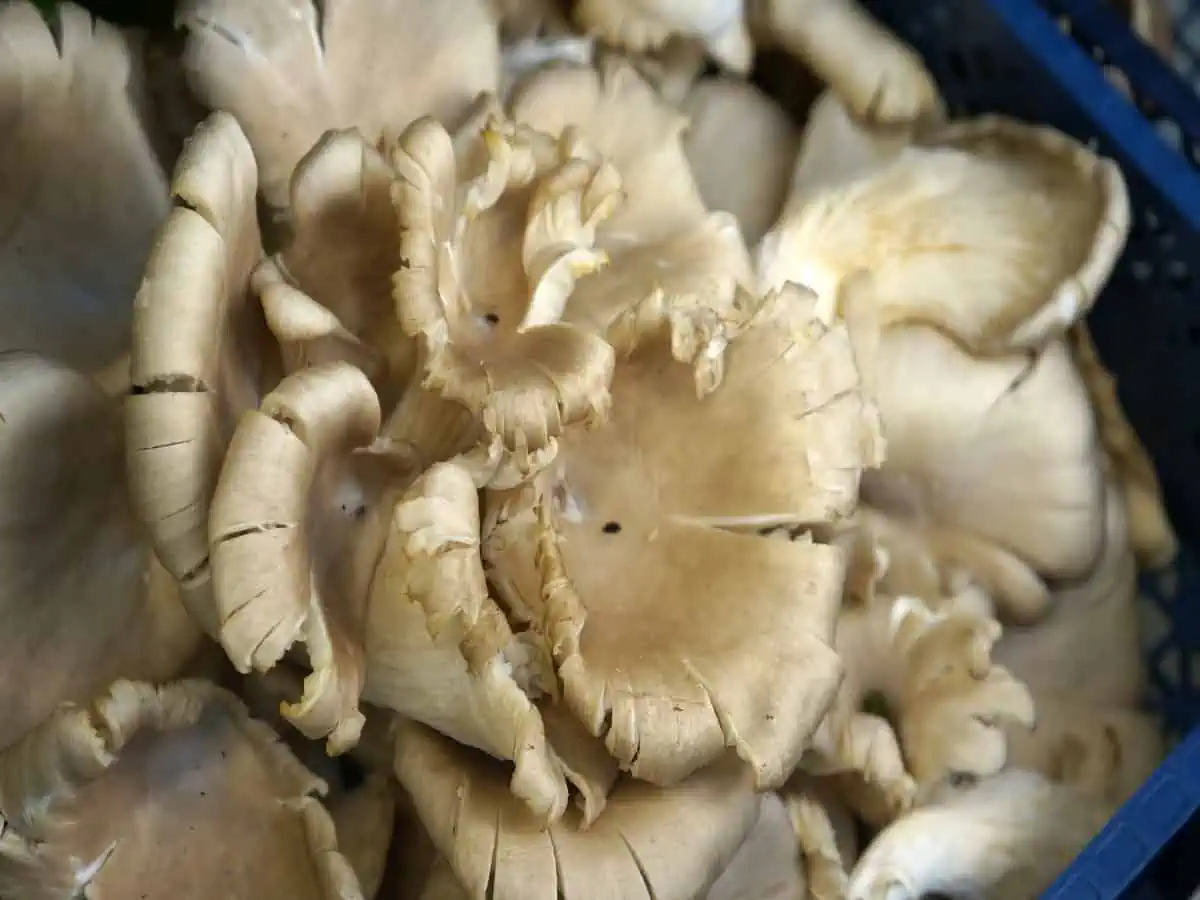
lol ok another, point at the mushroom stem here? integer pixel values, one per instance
(428, 428)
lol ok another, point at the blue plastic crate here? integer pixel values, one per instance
(1041, 61)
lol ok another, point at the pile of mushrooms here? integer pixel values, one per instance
(504, 455)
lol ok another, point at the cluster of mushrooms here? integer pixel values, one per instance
(536, 465)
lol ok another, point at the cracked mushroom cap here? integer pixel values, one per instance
(290, 70)
(649, 843)
(200, 352)
(996, 232)
(662, 669)
(485, 273)
(673, 265)
(741, 146)
(84, 599)
(82, 190)
(641, 26)
(1007, 836)
(999, 456)
(173, 790)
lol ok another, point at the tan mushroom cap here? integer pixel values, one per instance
(200, 352)
(741, 146)
(640, 26)
(82, 190)
(674, 266)
(996, 232)
(363, 818)
(880, 78)
(1001, 450)
(82, 597)
(439, 649)
(661, 669)
(649, 843)
(173, 790)
(294, 543)
(1150, 532)
(483, 281)
(290, 70)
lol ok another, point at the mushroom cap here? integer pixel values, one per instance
(1006, 836)
(1003, 449)
(290, 70)
(741, 146)
(486, 271)
(999, 233)
(83, 598)
(82, 190)
(175, 788)
(660, 669)
(765, 867)
(650, 842)
(640, 26)
(200, 353)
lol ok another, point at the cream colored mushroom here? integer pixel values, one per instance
(1150, 532)
(640, 26)
(649, 843)
(82, 192)
(483, 285)
(998, 458)
(83, 598)
(880, 78)
(673, 265)
(201, 352)
(741, 146)
(289, 70)
(173, 790)
(659, 669)
(1007, 836)
(999, 233)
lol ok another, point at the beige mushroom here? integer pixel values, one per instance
(659, 669)
(672, 264)
(482, 286)
(82, 190)
(1007, 836)
(999, 233)
(1150, 531)
(880, 78)
(649, 843)
(290, 70)
(173, 790)
(741, 146)
(84, 600)
(640, 26)
(201, 352)
(998, 458)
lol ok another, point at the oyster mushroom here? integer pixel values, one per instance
(731, 122)
(1008, 279)
(650, 842)
(482, 286)
(658, 669)
(99, 191)
(200, 354)
(640, 26)
(879, 77)
(173, 789)
(1006, 836)
(290, 70)
(84, 598)
(997, 459)
(671, 263)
